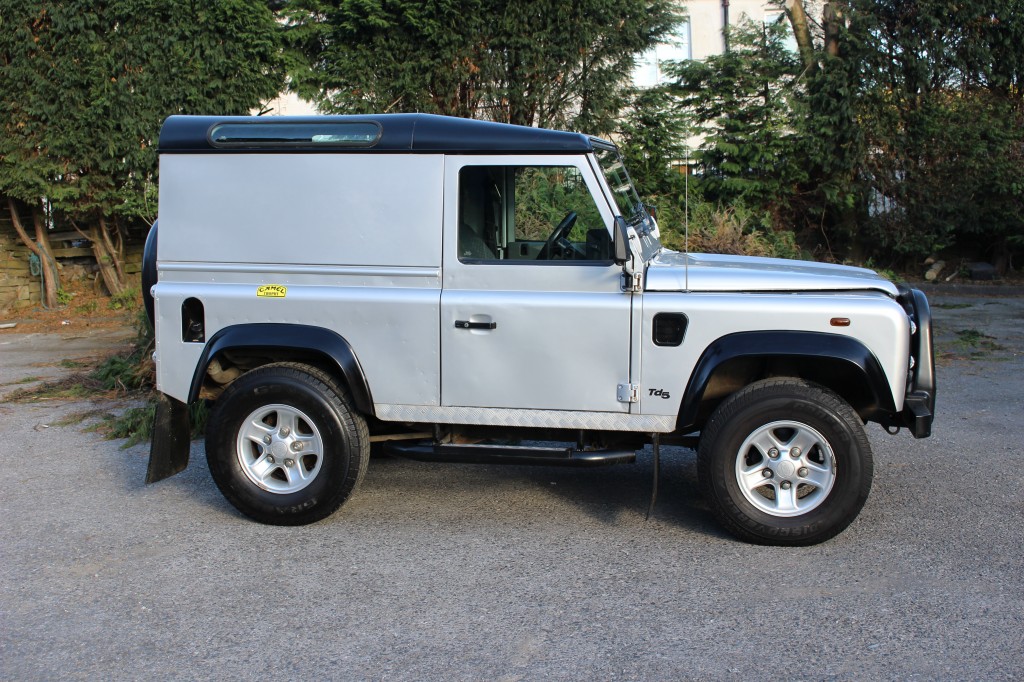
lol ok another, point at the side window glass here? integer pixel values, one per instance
(529, 213)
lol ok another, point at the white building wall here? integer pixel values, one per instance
(701, 35)
(289, 104)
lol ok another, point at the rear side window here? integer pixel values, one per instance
(314, 134)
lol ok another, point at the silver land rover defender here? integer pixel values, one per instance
(454, 290)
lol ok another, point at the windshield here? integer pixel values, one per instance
(629, 204)
(628, 201)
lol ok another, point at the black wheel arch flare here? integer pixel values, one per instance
(805, 347)
(271, 336)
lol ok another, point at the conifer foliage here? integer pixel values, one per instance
(85, 86)
(892, 132)
(552, 63)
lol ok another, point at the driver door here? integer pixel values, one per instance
(532, 311)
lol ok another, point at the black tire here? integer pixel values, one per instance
(299, 486)
(149, 274)
(827, 484)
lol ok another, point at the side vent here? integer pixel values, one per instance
(193, 321)
(669, 329)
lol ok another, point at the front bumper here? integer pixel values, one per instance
(919, 402)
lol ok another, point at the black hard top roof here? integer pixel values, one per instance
(409, 133)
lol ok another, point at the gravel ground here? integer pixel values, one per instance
(449, 572)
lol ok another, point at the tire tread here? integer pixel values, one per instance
(726, 510)
(342, 404)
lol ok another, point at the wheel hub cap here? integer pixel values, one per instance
(793, 483)
(279, 449)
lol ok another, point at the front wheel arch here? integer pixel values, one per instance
(840, 363)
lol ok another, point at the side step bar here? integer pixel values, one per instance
(509, 454)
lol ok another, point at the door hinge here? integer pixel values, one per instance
(628, 393)
(632, 282)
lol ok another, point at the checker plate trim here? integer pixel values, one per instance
(553, 419)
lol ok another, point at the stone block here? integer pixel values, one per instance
(982, 271)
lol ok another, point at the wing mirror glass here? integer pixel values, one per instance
(621, 242)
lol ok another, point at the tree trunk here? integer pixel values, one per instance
(115, 249)
(802, 32)
(1001, 255)
(51, 277)
(106, 258)
(832, 17)
(51, 268)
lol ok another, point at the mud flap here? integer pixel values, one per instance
(168, 451)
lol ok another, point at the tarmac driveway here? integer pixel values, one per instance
(449, 572)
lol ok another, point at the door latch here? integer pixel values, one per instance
(466, 324)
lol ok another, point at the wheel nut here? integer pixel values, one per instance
(786, 485)
(285, 431)
(773, 453)
(297, 446)
(270, 459)
(289, 462)
(794, 453)
(267, 439)
(767, 473)
(802, 472)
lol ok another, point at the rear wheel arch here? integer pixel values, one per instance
(270, 342)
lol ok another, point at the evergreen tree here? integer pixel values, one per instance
(912, 126)
(652, 136)
(555, 63)
(941, 112)
(87, 84)
(744, 102)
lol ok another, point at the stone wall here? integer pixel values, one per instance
(20, 289)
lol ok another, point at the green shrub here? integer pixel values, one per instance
(734, 230)
(125, 300)
(136, 423)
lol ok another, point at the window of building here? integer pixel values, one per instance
(779, 17)
(650, 66)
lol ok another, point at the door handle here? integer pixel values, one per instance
(466, 324)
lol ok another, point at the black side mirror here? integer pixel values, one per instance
(621, 241)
